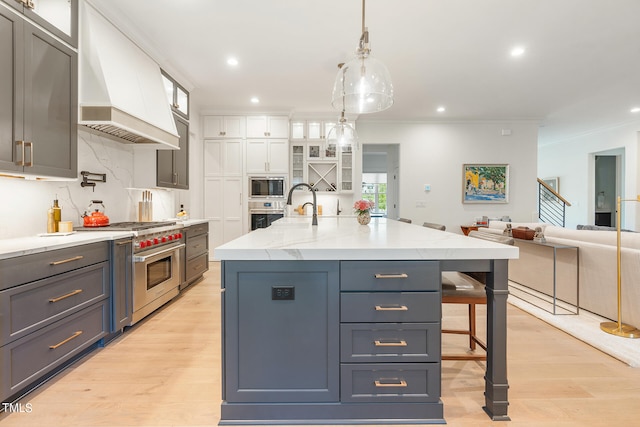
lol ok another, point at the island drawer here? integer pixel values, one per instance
(27, 359)
(380, 307)
(389, 342)
(389, 276)
(27, 268)
(397, 382)
(27, 308)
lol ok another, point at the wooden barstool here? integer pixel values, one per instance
(407, 220)
(469, 289)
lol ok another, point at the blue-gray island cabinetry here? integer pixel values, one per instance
(340, 323)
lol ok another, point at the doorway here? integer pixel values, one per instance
(608, 185)
(380, 172)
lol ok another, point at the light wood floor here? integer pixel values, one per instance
(165, 371)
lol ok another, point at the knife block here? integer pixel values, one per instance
(145, 211)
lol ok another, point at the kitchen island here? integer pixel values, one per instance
(340, 323)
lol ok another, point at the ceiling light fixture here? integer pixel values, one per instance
(255, 100)
(363, 85)
(232, 61)
(441, 109)
(343, 134)
(635, 110)
(517, 51)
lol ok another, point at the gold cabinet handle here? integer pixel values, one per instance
(70, 294)
(31, 153)
(399, 383)
(392, 308)
(400, 343)
(391, 276)
(20, 149)
(64, 261)
(63, 342)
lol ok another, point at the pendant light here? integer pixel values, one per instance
(343, 134)
(363, 85)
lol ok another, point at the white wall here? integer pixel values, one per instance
(25, 203)
(572, 161)
(434, 153)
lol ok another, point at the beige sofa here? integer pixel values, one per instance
(596, 268)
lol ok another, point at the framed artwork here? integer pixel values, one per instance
(485, 183)
(553, 183)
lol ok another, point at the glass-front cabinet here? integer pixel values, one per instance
(59, 17)
(311, 130)
(177, 96)
(297, 164)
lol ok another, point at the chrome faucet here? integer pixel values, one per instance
(314, 220)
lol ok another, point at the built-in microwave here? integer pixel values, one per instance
(267, 187)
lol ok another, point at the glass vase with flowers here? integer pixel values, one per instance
(363, 210)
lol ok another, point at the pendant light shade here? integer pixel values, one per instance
(343, 134)
(363, 85)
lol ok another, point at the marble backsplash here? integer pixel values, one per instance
(23, 211)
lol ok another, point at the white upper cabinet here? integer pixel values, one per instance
(224, 126)
(267, 156)
(268, 127)
(311, 130)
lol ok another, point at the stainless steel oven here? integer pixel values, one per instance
(156, 278)
(267, 187)
(263, 213)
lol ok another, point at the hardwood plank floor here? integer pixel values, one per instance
(165, 371)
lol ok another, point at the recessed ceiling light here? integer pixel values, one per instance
(232, 62)
(441, 109)
(517, 51)
(255, 100)
(635, 110)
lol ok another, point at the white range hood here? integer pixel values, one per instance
(121, 92)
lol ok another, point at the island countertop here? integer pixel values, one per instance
(342, 238)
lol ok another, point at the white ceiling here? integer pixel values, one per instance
(581, 69)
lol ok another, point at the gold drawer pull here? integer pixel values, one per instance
(399, 383)
(70, 294)
(394, 308)
(64, 261)
(401, 343)
(75, 335)
(391, 276)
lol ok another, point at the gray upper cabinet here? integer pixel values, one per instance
(173, 165)
(38, 100)
(59, 17)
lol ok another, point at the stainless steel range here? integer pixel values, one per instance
(156, 263)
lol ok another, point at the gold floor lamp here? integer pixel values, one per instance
(618, 328)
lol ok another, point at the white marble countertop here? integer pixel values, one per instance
(19, 246)
(342, 238)
(189, 222)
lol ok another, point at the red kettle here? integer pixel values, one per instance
(96, 217)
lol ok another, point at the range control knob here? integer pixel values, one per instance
(170, 237)
(141, 244)
(164, 239)
(179, 235)
(149, 243)
(155, 240)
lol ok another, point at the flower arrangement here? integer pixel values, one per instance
(363, 206)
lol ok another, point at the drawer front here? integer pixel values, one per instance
(30, 307)
(389, 342)
(397, 382)
(389, 275)
(197, 246)
(24, 269)
(380, 307)
(197, 266)
(27, 359)
(196, 230)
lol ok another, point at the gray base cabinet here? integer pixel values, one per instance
(196, 253)
(54, 305)
(315, 342)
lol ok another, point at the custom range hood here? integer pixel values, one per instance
(121, 91)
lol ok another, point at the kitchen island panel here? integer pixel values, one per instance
(281, 332)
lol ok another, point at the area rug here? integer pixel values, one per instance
(584, 326)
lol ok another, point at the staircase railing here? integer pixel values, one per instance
(551, 205)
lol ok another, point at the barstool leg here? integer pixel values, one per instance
(472, 326)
